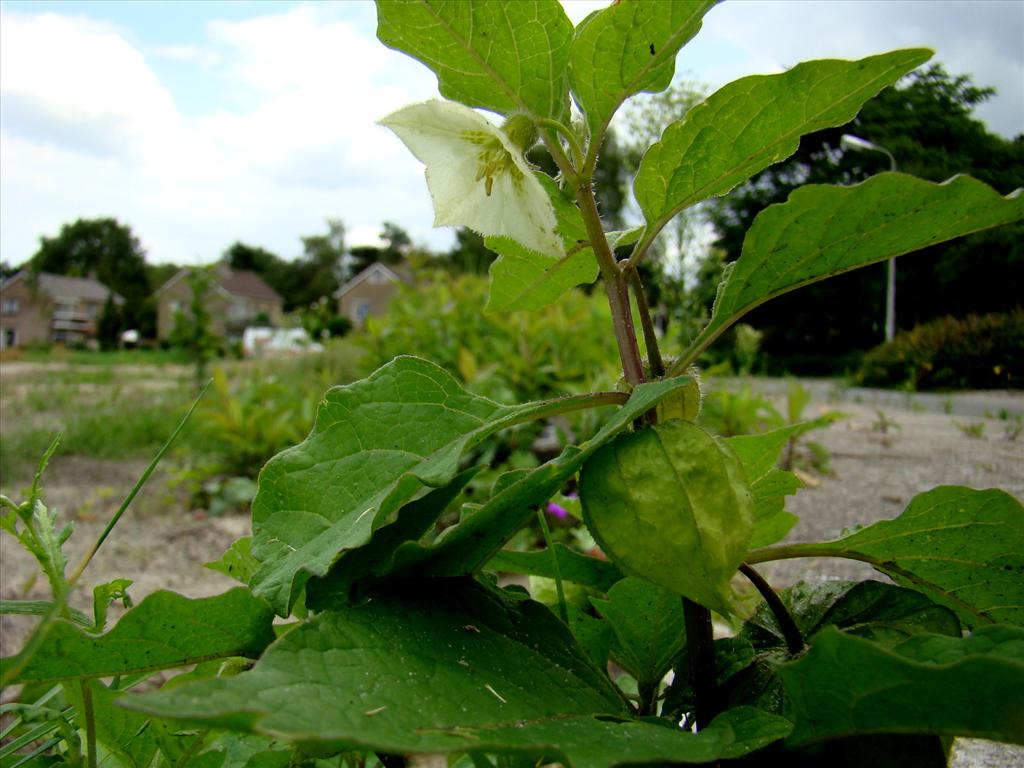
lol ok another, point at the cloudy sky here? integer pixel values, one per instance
(201, 123)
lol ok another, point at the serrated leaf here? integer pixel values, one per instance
(648, 625)
(469, 545)
(522, 278)
(961, 547)
(971, 686)
(376, 444)
(572, 566)
(165, 630)
(753, 122)
(822, 231)
(670, 504)
(503, 56)
(769, 485)
(629, 47)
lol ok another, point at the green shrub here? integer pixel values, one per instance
(975, 352)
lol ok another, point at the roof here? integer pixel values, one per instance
(248, 284)
(392, 275)
(64, 287)
(236, 282)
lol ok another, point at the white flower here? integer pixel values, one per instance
(477, 177)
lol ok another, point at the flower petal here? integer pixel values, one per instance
(447, 137)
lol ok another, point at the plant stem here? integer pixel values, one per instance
(563, 612)
(700, 647)
(790, 631)
(72, 580)
(646, 322)
(648, 699)
(615, 285)
(90, 724)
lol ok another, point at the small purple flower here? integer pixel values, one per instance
(557, 511)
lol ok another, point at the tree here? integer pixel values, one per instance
(926, 123)
(106, 249)
(110, 325)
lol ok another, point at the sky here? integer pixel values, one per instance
(201, 123)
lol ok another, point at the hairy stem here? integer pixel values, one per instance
(646, 322)
(646, 707)
(615, 285)
(700, 648)
(790, 631)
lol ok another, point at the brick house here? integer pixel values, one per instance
(43, 308)
(237, 300)
(368, 293)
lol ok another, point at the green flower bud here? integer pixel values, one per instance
(684, 403)
(671, 505)
(521, 131)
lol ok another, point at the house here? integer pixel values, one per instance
(43, 308)
(368, 293)
(236, 300)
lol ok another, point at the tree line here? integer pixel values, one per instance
(925, 122)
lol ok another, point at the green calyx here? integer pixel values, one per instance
(521, 131)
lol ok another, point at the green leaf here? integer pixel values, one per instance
(753, 122)
(961, 547)
(446, 665)
(769, 485)
(164, 630)
(375, 559)
(469, 545)
(376, 444)
(237, 561)
(125, 735)
(580, 569)
(822, 231)
(747, 665)
(525, 279)
(503, 56)
(670, 504)
(415, 669)
(648, 624)
(971, 686)
(627, 48)
(103, 595)
(600, 742)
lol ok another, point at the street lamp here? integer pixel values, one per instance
(857, 144)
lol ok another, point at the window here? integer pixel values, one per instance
(10, 338)
(361, 311)
(10, 307)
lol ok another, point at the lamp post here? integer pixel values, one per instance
(857, 144)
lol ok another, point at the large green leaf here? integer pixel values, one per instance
(962, 547)
(376, 444)
(753, 122)
(629, 47)
(502, 56)
(971, 686)
(670, 504)
(414, 669)
(468, 546)
(648, 625)
(443, 665)
(164, 630)
(824, 230)
(769, 485)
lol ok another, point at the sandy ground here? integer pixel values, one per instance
(874, 474)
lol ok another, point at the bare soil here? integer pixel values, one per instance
(877, 465)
